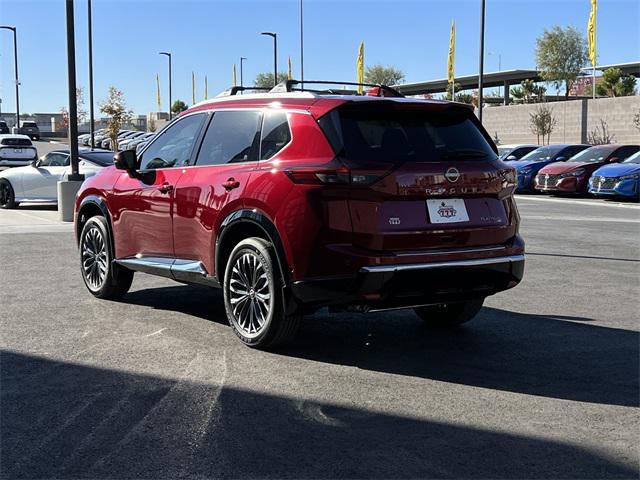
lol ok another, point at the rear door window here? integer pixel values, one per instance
(232, 136)
(275, 134)
(390, 134)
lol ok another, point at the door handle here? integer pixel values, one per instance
(231, 184)
(165, 188)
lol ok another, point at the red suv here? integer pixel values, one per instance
(295, 200)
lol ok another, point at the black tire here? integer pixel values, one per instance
(7, 195)
(252, 268)
(102, 277)
(449, 314)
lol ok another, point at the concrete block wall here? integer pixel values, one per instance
(576, 119)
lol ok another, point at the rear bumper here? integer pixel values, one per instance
(382, 287)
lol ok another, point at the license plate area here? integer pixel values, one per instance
(449, 210)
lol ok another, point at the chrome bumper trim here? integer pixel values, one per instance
(451, 264)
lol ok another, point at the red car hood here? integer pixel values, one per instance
(564, 167)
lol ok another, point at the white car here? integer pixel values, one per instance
(38, 182)
(16, 150)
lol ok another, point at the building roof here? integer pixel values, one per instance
(490, 79)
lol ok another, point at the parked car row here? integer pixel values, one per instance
(575, 169)
(37, 182)
(28, 128)
(127, 139)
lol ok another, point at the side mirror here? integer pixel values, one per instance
(126, 160)
(561, 159)
(511, 157)
(614, 159)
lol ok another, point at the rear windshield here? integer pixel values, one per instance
(17, 142)
(383, 134)
(29, 124)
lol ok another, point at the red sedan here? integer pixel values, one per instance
(573, 176)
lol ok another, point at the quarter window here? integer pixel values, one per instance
(275, 134)
(174, 146)
(231, 137)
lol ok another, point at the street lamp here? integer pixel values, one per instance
(92, 131)
(481, 72)
(15, 60)
(168, 54)
(242, 59)
(275, 55)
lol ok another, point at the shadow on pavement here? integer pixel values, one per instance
(75, 421)
(546, 355)
(37, 206)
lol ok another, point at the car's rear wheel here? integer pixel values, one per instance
(102, 277)
(449, 314)
(253, 296)
(7, 195)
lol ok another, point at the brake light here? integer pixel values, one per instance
(339, 176)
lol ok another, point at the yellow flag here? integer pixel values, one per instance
(193, 88)
(451, 70)
(206, 88)
(591, 32)
(289, 75)
(158, 101)
(360, 67)
(234, 75)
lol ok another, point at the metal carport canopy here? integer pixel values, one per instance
(493, 79)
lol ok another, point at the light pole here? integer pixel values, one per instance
(275, 55)
(168, 54)
(91, 117)
(73, 107)
(15, 62)
(301, 47)
(242, 59)
(481, 72)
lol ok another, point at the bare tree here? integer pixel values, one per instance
(600, 135)
(542, 122)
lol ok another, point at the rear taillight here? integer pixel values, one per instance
(339, 176)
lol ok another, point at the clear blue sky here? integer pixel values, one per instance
(209, 36)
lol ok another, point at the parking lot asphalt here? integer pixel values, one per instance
(542, 384)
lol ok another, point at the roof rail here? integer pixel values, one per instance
(237, 88)
(378, 90)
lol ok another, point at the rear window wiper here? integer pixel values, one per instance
(469, 153)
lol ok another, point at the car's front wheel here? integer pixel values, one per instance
(449, 314)
(102, 277)
(7, 195)
(253, 296)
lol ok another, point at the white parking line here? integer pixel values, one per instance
(597, 203)
(564, 218)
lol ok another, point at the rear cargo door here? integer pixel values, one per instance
(430, 177)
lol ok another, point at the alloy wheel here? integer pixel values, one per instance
(250, 294)
(94, 258)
